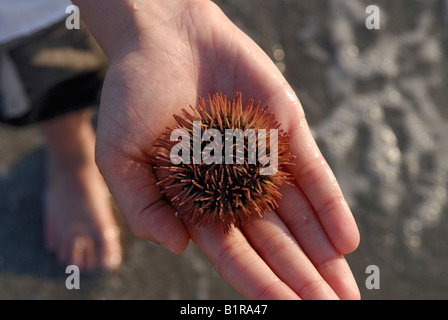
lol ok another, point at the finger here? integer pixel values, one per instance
(277, 247)
(238, 263)
(296, 212)
(312, 173)
(315, 178)
(149, 216)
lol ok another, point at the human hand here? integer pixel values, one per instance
(181, 50)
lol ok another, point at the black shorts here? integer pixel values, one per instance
(50, 73)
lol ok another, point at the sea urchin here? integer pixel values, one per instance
(212, 173)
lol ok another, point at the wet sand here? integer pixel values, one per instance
(377, 104)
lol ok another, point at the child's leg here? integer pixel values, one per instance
(79, 223)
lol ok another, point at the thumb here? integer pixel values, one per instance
(133, 186)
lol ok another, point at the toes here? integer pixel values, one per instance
(111, 254)
(89, 260)
(79, 251)
(89, 253)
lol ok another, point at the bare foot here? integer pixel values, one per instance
(79, 223)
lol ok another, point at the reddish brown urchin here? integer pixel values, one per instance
(204, 188)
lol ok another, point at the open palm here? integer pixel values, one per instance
(295, 252)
